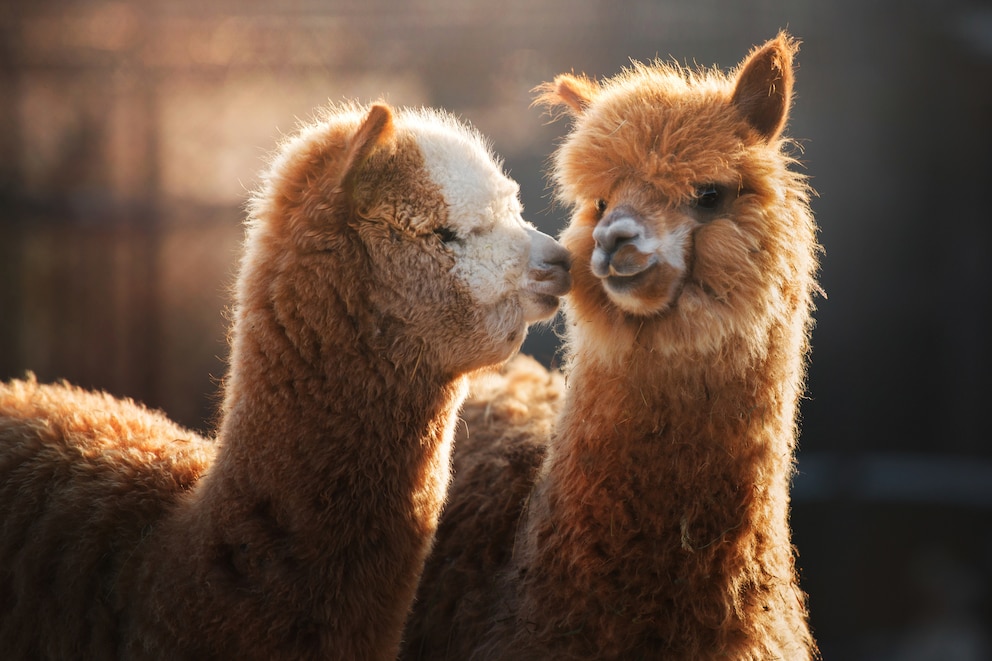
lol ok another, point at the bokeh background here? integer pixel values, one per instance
(131, 133)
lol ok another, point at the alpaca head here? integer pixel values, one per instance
(397, 231)
(688, 226)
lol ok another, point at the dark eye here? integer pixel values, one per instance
(707, 196)
(446, 234)
(601, 207)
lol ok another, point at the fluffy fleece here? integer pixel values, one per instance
(652, 522)
(385, 259)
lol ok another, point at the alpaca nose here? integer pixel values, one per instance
(549, 265)
(617, 230)
(624, 245)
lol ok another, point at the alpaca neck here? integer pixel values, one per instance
(318, 513)
(664, 491)
(348, 437)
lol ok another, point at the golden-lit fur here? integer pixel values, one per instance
(301, 530)
(652, 523)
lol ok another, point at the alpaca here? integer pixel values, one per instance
(652, 521)
(385, 259)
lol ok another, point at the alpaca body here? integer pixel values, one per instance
(320, 568)
(691, 560)
(654, 522)
(84, 478)
(385, 260)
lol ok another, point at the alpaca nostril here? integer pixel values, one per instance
(625, 246)
(611, 235)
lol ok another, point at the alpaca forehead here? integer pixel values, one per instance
(471, 180)
(665, 113)
(669, 148)
(483, 205)
(484, 210)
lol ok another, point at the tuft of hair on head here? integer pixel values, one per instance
(763, 88)
(568, 93)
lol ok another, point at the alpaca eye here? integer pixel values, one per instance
(707, 196)
(446, 234)
(601, 207)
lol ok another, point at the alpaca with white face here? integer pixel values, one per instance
(385, 259)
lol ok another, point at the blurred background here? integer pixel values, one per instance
(131, 133)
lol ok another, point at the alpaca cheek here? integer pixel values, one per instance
(506, 329)
(723, 260)
(489, 336)
(577, 239)
(489, 266)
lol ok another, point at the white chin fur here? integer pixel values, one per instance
(631, 304)
(539, 307)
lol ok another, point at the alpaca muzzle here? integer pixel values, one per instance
(625, 246)
(548, 269)
(547, 278)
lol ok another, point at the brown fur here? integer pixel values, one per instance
(653, 522)
(302, 531)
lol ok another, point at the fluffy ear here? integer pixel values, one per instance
(575, 93)
(375, 129)
(763, 92)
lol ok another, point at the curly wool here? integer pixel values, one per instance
(652, 522)
(302, 530)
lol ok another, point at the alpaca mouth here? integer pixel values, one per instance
(548, 272)
(553, 281)
(649, 291)
(626, 262)
(627, 269)
(546, 301)
(545, 286)
(540, 307)
(625, 283)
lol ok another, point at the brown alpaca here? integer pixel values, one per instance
(385, 259)
(653, 522)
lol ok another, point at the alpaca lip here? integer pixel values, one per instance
(547, 300)
(623, 283)
(548, 272)
(653, 290)
(540, 307)
(625, 262)
(552, 282)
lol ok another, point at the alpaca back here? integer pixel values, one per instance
(78, 469)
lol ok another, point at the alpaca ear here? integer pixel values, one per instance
(575, 93)
(763, 92)
(375, 129)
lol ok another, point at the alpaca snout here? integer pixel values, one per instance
(624, 247)
(548, 270)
